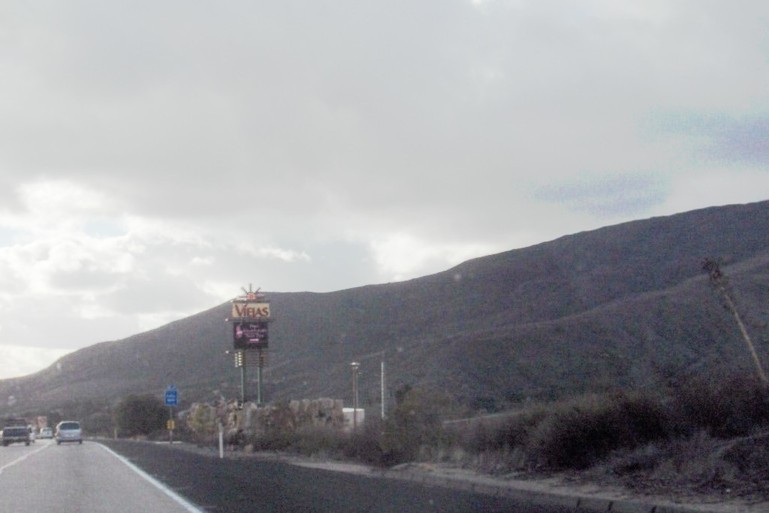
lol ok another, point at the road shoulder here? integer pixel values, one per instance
(553, 490)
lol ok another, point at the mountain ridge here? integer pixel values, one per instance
(620, 306)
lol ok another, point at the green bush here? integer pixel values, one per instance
(202, 424)
(140, 415)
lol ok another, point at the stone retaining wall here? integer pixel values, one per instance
(203, 419)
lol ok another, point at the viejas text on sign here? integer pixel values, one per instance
(250, 310)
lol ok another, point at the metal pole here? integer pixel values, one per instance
(259, 377)
(382, 390)
(221, 440)
(355, 366)
(243, 378)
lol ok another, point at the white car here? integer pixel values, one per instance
(68, 431)
(45, 432)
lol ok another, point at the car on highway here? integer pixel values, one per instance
(45, 432)
(68, 431)
(16, 434)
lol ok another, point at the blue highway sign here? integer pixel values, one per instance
(172, 396)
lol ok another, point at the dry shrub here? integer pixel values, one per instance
(646, 440)
(735, 406)
(503, 461)
(498, 444)
(748, 460)
(578, 434)
(273, 440)
(696, 463)
(691, 462)
(512, 432)
(414, 429)
(366, 444)
(320, 441)
(641, 460)
(750, 457)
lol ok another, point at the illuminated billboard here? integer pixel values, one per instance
(248, 335)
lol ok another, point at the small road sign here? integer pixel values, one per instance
(172, 396)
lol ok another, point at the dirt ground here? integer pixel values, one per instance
(565, 484)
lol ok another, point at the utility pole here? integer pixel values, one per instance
(719, 282)
(382, 384)
(355, 366)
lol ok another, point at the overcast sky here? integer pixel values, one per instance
(156, 156)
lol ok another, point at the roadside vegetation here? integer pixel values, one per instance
(704, 436)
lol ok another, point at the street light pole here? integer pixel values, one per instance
(260, 377)
(355, 366)
(241, 361)
(382, 383)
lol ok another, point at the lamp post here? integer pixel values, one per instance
(382, 384)
(355, 366)
(240, 362)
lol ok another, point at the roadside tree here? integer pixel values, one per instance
(138, 415)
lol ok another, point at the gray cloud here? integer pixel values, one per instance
(717, 136)
(155, 157)
(609, 196)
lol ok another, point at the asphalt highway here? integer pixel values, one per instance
(242, 485)
(74, 478)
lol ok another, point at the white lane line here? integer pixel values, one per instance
(21, 458)
(160, 486)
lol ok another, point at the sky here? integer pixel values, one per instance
(157, 156)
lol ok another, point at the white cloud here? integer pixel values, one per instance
(716, 186)
(49, 206)
(21, 360)
(402, 256)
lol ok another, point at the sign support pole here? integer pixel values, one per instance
(243, 379)
(259, 378)
(171, 400)
(170, 424)
(250, 315)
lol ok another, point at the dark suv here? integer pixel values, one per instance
(15, 434)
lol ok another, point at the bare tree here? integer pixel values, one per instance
(720, 283)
